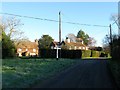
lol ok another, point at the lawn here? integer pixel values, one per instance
(23, 73)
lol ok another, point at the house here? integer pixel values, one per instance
(27, 48)
(78, 45)
(55, 44)
(69, 44)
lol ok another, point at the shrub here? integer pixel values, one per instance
(116, 53)
(51, 53)
(95, 53)
(86, 53)
(8, 47)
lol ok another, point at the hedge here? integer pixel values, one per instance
(116, 53)
(51, 53)
(95, 53)
(86, 53)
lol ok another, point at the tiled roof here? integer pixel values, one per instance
(27, 44)
(75, 44)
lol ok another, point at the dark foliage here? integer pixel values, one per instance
(51, 53)
(116, 48)
(8, 47)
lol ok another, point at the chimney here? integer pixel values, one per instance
(67, 40)
(36, 41)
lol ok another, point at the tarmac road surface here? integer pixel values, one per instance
(86, 74)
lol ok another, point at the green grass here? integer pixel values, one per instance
(23, 73)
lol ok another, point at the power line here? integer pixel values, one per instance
(29, 17)
(115, 21)
(53, 20)
(84, 24)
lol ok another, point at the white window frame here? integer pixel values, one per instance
(34, 50)
(26, 49)
(19, 49)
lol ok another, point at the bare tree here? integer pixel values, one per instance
(91, 41)
(72, 37)
(116, 19)
(11, 27)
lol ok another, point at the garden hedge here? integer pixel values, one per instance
(51, 53)
(95, 53)
(86, 53)
(63, 53)
(116, 53)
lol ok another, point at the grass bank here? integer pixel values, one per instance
(22, 73)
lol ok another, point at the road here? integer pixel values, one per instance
(86, 74)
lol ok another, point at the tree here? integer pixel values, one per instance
(72, 37)
(8, 47)
(11, 27)
(116, 48)
(85, 37)
(91, 42)
(45, 41)
(106, 44)
(116, 19)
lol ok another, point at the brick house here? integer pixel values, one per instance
(78, 45)
(27, 48)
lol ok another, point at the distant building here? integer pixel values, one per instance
(27, 48)
(69, 44)
(79, 44)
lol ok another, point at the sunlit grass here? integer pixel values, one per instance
(96, 57)
(23, 73)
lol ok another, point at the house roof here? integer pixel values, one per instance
(78, 44)
(27, 44)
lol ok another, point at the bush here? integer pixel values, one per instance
(86, 53)
(51, 53)
(116, 53)
(8, 47)
(95, 53)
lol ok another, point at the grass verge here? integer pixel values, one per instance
(22, 73)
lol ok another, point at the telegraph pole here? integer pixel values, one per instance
(60, 27)
(111, 43)
(119, 18)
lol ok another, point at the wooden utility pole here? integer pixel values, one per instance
(111, 42)
(119, 18)
(60, 27)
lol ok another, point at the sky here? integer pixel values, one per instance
(94, 13)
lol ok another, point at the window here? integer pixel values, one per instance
(70, 48)
(26, 49)
(83, 47)
(75, 47)
(34, 50)
(79, 47)
(86, 48)
(19, 49)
